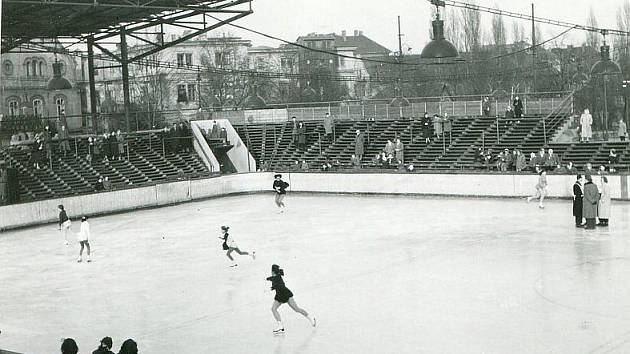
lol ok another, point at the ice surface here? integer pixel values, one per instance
(380, 274)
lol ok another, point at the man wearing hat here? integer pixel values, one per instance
(359, 145)
(104, 347)
(280, 187)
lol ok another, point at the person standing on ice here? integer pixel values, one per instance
(577, 201)
(64, 223)
(283, 296)
(280, 187)
(541, 189)
(589, 203)
(230, 246)
(83, 238)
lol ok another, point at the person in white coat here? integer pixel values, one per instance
(586, 120)
(603, 208)
(83, 237)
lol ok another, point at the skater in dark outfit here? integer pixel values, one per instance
(230, 246)
(280, 187)
(283, 295)
(64, 223)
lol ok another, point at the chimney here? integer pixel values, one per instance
(360, 33)
(356, 33)
(343, 34)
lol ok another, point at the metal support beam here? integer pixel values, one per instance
(91, 73)
(125, 75)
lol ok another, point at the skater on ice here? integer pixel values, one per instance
(64, 223)
(280, 187)
(230, 246)
(283, 295)
(541, 189)
(83, 238)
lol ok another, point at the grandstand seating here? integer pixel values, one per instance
(457, 152)
(72, 174)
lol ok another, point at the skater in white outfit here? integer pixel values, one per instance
(283, 295)
(541, 189)
(64, 223)
(83, 238)
(230, 246)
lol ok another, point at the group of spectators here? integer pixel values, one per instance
(106, 147)
(129, 346)
(177, 138)
(216, 134)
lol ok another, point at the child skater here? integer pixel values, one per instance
(283, 295)
(230, 246)
(280, 187)
(64, 223)
(83, 238)
(541, 189)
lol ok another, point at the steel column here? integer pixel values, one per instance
(91, 73)
(125, 75)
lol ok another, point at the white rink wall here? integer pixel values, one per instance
(483, 185)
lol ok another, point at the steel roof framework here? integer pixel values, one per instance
(100, 23)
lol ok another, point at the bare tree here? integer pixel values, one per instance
(452, 31)
(498, 31)
(518, 32)
(592, 38)
(471, 23)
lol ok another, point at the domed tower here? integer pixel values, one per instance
(607, 95)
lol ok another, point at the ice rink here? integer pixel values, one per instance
(380, 274)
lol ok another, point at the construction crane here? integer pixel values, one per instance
(463, 5)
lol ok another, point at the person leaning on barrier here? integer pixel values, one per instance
(613, 159)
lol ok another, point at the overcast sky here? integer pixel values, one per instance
(377, 19)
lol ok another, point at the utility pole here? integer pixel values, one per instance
(533, 51)
(400, 60)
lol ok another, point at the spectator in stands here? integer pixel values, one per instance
(400, 151)
(426, 128)
(113, 146)
(216, 130)
(120, 139)
(479, 158)
(447, 126)
(509, 116)
(37, 155)
(500, 161)
(552, 161)
(588, 169)
(485, 105)
(294, 131)
(622, 130)
(509, 159)
(376, 161)
(304, 166)
(359, 142)
(328, 127)
(181, 175)
(569, 169)
(590, 201)
(69, 346)
(98, 148)
(437, 125)
(533, 162)
(410, 168)
(602, 170)
(390, 148)
(184, 130)
(521, 162)
(128, 347)
(104, 347)
(107, 184)
(46, 138)
(296, 166)
(586, 120)
(100, 186)
(613, 160)
(488, 158)
(64, 144)
(301, 140)
(223, 136)
(518, 107)
(603, 207)
(578, 201)
(355, 162)
(105, 146)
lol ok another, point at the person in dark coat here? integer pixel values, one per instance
(426, 128)
(175, 142)
(216, 130)
(578, 201)
(223, 136)
(589, 203)
(113, 146)
(105, 147)
(128, 347)
(185, 133)
(359, 145)
(301, 139)
(69, 346)
(518, 107)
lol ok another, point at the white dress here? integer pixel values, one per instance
(84, 234)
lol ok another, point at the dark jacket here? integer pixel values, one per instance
(577, 199)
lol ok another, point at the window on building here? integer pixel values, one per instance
(180, 60)
(38, 107)
(13, 108)
(192, 92)
(7, 67)
(28, 68)
(184, 59)
(260, 62)
(34, 67)
(181, 93)
(286, 63)
(60, 104)
(222, 58)
(188, 58)
(40, 68)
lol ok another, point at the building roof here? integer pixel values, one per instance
(360, 43)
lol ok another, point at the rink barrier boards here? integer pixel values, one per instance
(468, 185)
